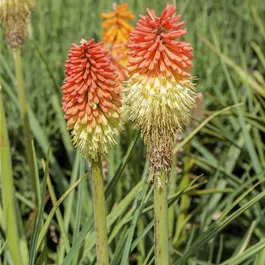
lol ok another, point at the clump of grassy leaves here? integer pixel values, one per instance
(216, 199)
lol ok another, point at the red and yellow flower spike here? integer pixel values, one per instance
(116, 26)
(91, 98)
(160, 93)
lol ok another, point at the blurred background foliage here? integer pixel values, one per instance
(228, 37)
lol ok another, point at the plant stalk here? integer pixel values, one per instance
(26, 125)
(7, 184)
(161, 221)
(100, 220)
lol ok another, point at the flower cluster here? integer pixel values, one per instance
(160, 94)
(91, 98)
(15, 15)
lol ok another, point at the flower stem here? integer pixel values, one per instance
(26, 125)
(8, 200)
(161, 221)
(99, 214)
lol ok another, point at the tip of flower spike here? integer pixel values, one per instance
(169, 10)
(91, 98)
(153, 47)
(83, 41)
(116, 24)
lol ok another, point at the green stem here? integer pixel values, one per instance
(99, 214)
(161, 221)
(8, 190)
(26, 125)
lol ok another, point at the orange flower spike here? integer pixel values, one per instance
(91, 98)
(117, 28)
(160, 93)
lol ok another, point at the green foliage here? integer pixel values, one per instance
(217, 218)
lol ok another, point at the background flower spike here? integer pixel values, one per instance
(117, 31)
(14, 16)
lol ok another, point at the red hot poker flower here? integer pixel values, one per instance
(160, 94)
(91, 98)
